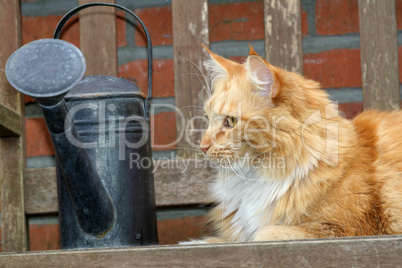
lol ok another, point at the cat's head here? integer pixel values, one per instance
(255, 109)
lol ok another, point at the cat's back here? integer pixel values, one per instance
(380, 135)
(382, 131)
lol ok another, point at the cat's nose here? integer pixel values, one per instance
(204, 149)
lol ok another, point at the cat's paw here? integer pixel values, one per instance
(193, 242)
(207, 240)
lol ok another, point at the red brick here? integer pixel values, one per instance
(238, 59)
(336, 17)
(350, 110)
(334, 68)
(399, 14)
(28, 99)
(163, 129)
(237, 21)
(158, 21)
(34, 28)
(44, 237)
(38, 140)
(182, 229)
(338, 68)
(304, 22)
(241, 21)
(163, 76)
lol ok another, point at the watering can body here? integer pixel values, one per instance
(111, 125)
(100, 129)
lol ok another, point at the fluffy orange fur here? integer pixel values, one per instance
(292, 167)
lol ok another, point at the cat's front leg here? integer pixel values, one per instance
(207, 240)
(279, 232)
(302, 231)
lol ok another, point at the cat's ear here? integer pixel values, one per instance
(261, 74)
(216, 66)
(252, 51)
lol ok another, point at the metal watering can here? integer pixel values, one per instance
(97, 124)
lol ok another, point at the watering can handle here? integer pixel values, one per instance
(72, 12)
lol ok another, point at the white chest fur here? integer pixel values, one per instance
(252, 197)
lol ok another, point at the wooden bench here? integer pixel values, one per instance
(340, 252)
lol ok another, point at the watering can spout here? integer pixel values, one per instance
(92, 204)
(33, 71)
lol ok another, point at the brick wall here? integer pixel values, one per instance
(331, 56)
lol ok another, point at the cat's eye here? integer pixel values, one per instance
(230, 121)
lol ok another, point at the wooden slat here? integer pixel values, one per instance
(10, 40)
(40, 190)
(283, 35)
(10, 122)
(177, 182)
(183, 182)
(98, 38)
(13, 225)
(12, 150)
(379, 54)
(346, 252)
(190, 29)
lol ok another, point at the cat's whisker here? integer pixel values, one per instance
(196, 110)
(206, 85)
(184, 74)
(255, 155)
(203, 75)
(192, 106)
(207, 88)
(224, 194)
(236, 169)
(240, 170)
(247, 175)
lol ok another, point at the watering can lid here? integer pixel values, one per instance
(45, 68)
(103, 86)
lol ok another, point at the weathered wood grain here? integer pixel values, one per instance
(13, 225)
(177, 182)
(182, 182)
(98, 38)
(10, 40)
(190, 29)
(379, 54)
(40, 190)
(10, 122)
(283, 34)
(12, 149)
(345, 252)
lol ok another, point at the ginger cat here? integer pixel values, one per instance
(289, 166)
